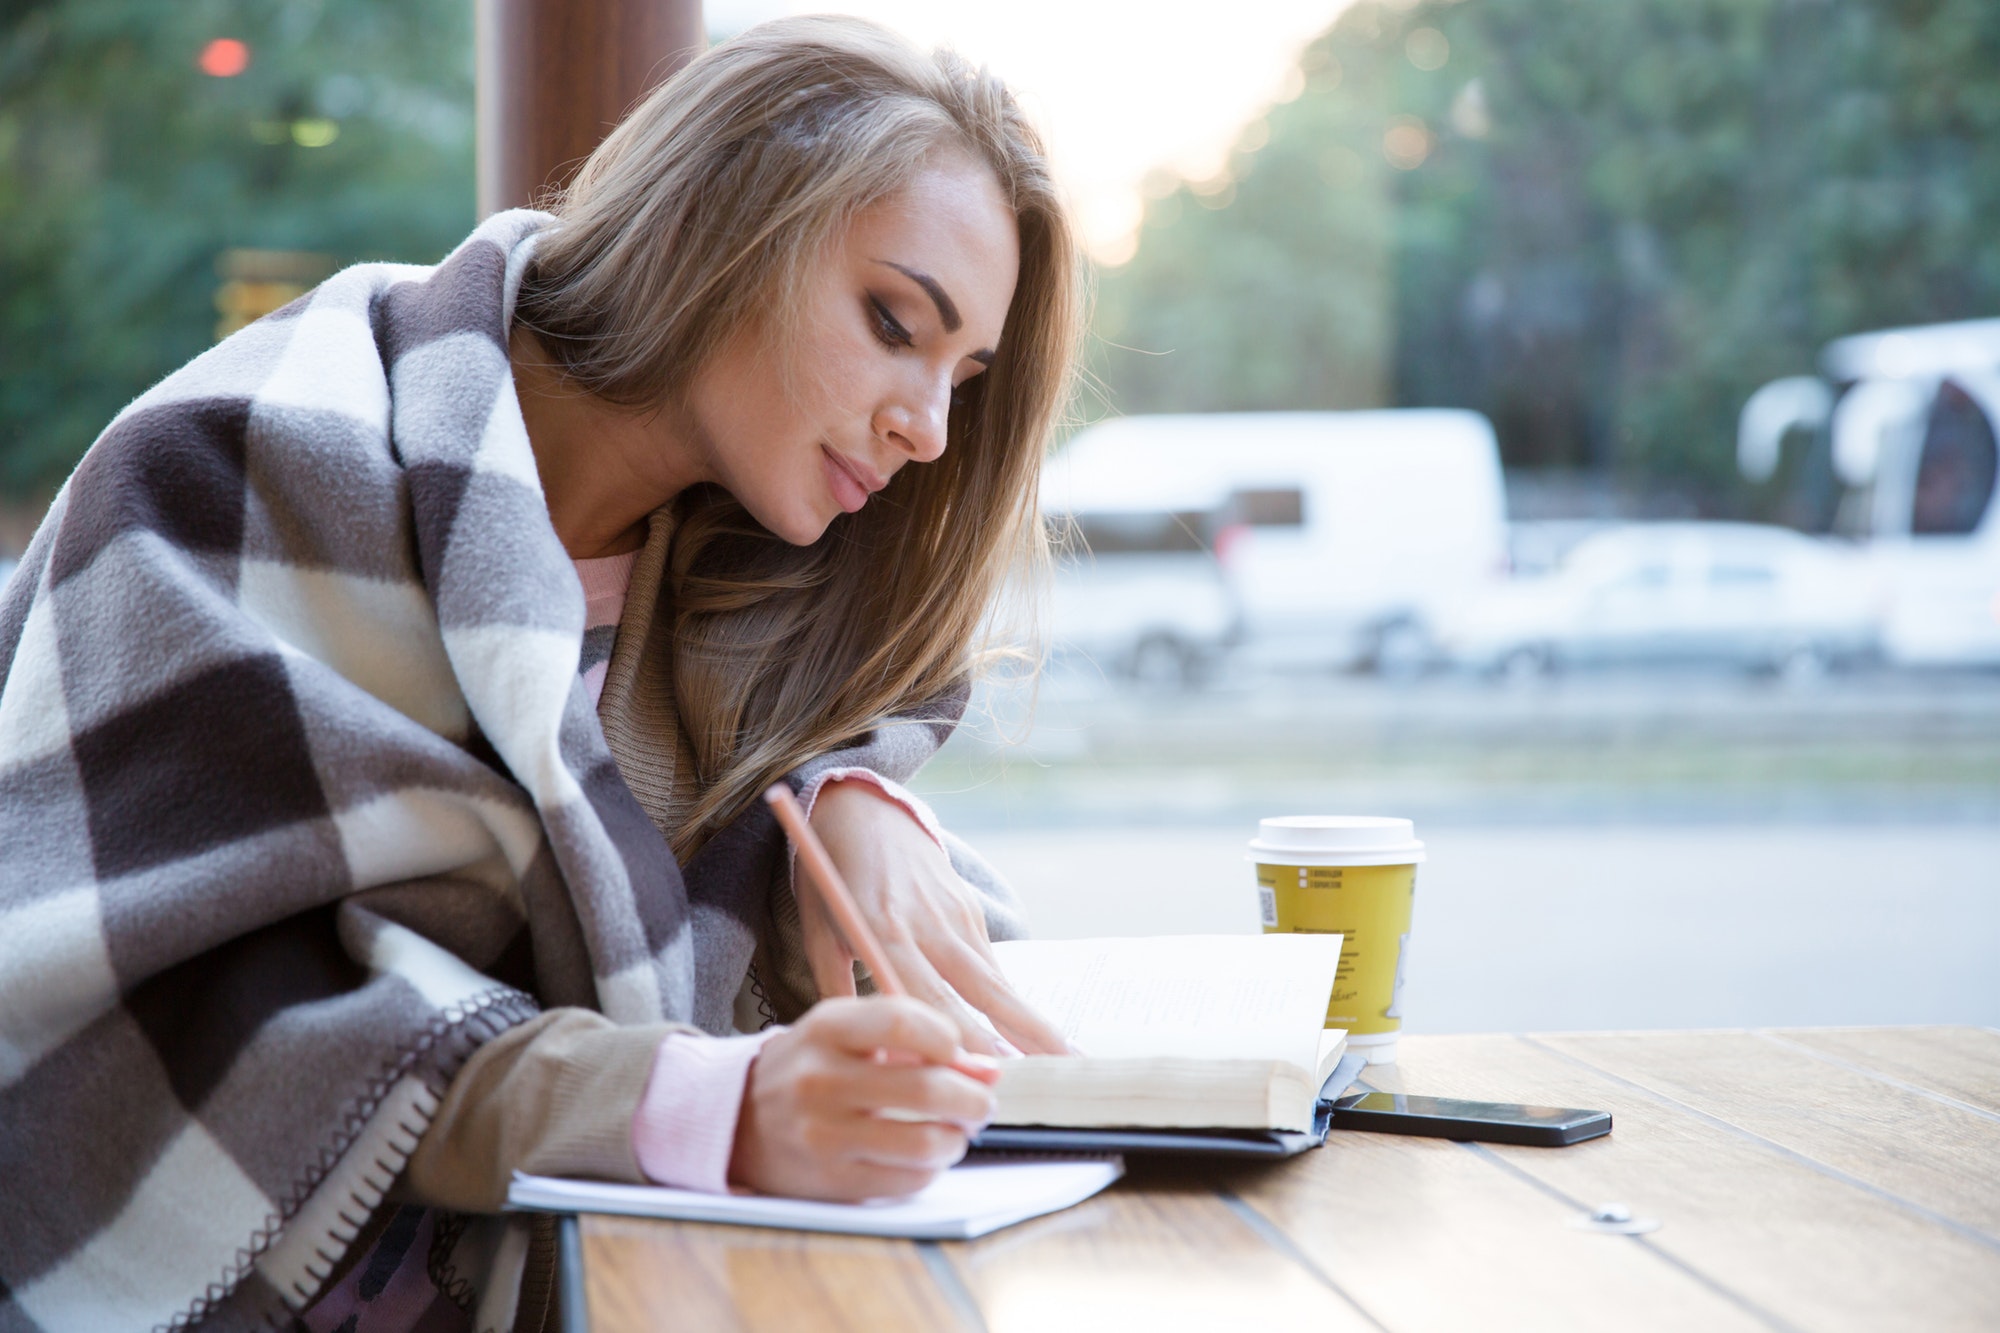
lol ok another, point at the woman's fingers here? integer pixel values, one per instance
(930, 922)
(884, 1135)
(857, 1101)
(947, 972)
(897, 1057)
(877, 1111)
(929, 1092)
(886, 1023)
(912, 1145)
(982, 985)
(962, 957)
(925, 983)
(832, 968)
(827, 954)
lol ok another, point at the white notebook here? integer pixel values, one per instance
(969, 1200)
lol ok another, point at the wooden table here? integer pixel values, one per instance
(1823, 1179)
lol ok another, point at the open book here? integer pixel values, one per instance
(1185, 1032)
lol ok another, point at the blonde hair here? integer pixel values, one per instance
(712, 202)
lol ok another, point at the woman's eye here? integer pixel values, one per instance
(887, 327)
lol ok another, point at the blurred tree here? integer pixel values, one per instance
(126, 170)
(1267, 286)
(1609, 221)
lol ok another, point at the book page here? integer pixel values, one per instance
(1194, 996)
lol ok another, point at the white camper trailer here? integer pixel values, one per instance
(1343, 538)
(1910, 419)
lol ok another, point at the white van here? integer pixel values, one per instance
(1344, 538)
(1141, 595)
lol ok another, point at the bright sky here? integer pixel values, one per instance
(1119, 87)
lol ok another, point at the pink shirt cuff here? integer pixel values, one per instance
(685, 1128)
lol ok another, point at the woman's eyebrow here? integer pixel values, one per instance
(947, 312)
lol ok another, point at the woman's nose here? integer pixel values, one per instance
(915, 420)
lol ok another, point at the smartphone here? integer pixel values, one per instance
(1483, 1122)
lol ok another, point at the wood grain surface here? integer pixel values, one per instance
(1147, 1255)
(1816, 1179)
(1490, 1240)
(1781, 1236)
(1962, 1063)
(1930, 1153)
(667, 1276)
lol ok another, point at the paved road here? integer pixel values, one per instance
(1607, 851)
(1634, 748)
(1565, 927)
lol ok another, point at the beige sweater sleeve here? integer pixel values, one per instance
(554, 1096)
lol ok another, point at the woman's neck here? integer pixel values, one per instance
(603, 468)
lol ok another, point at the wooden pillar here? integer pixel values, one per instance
(555, 75)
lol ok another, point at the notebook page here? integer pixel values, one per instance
(1195, 996)
(969, 1200)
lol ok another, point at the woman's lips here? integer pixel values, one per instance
(851, 485)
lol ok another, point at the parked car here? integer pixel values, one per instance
(1340, 538)
(1538, 546)
(1753, 596)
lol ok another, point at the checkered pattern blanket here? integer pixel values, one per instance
(301, 799)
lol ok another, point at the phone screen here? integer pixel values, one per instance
(1451, 1108)
(1452, 1118)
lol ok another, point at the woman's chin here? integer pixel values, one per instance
(798, 519)
(801, 526)
(808, 538)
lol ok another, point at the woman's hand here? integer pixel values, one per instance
(928, 919)
(856, 1102)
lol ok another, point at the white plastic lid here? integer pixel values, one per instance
(1332, 840)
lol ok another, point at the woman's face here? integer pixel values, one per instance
(906, 307)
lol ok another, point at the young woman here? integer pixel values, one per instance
(388, 692)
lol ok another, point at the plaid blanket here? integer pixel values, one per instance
(302, 798)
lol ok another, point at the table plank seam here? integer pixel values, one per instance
(1811, 1163)
(951, 1285)
(1269, 1232)
(1826, 1058)
(1645, 1243)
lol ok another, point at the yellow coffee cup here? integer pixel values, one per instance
(1355, 876)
